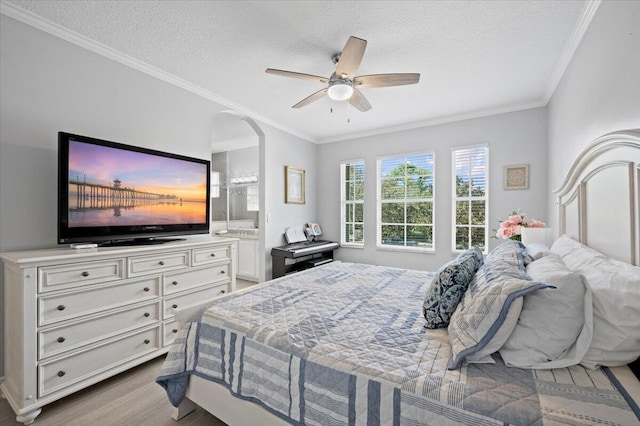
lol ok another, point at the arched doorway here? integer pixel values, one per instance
(237, 147)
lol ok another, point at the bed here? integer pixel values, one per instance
(347, 344)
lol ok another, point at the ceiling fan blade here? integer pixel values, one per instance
(350, 57)
(385, 80)
(312, 98)
(299, 75)
(359, 101)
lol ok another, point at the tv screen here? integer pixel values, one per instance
(122, 194)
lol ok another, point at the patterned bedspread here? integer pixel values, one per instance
(346, 344)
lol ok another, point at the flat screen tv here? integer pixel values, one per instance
(115, 194)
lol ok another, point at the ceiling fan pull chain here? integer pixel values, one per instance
(348, 113)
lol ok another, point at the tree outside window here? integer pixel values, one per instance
(405, 208)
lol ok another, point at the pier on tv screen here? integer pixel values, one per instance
(117, 187)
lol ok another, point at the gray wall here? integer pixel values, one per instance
(283, 150)
(49, 85)
(513, 138)
(600, 90)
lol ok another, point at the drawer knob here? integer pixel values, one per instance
(175, 330)
(175, 306)
(61, 373)
(85, 274)
(222, 272)
(175, 283)
(222, 291)
(61, 307)
(213, 255)
(147, 341)
(146, 289)
(161, 262)
(61, 339)
(146, 314)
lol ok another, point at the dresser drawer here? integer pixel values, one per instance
(80, 366)
(79, 274)
(171, 303)
(60, 339)
(207, 255)
(170, 331)
(72, 304)
(194, 278)
(162, 262)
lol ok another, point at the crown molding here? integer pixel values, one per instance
(63, 33)
(571, 46)
(437, 121)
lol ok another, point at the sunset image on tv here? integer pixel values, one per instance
(115, 187)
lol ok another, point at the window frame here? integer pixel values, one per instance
(215, 184)
(253, 197)
(379, 203)
(455, 198)
(344, 202)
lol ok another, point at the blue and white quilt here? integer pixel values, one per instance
(346, 344)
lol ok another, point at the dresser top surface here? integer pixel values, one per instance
(67, 253)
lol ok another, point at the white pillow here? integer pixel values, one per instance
(551, 321)
(536, 251)
(615, 288)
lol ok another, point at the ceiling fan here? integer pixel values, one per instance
(344, 85)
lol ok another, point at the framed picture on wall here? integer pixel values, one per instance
(516, 176)
(294, 185)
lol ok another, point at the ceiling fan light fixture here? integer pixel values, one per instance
(340, 90)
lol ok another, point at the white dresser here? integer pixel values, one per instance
(76, 317)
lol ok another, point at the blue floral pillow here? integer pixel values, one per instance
(448, 288)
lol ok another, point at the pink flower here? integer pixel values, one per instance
(512, 227)
(505, 232)
(515, 219)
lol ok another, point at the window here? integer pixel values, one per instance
(405, 202)
(470, 197)
(253, 198)
(352, 203)
(215, 184)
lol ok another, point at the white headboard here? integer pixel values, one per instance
(599, 199)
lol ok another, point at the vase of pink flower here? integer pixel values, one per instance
(511, 229)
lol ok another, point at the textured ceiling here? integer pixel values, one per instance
(475, 57)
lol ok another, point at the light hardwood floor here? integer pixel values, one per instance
(129, 399)
(242, 284)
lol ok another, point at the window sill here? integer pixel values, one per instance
(406, 249)
(455, 253)
(354, 246)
